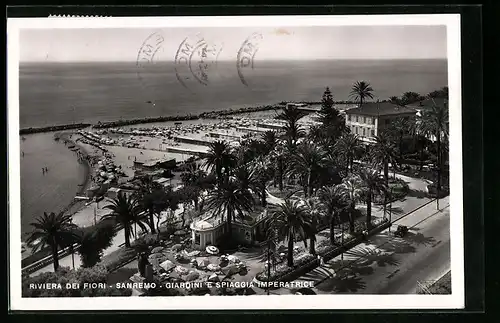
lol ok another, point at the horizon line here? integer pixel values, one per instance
(263, 60)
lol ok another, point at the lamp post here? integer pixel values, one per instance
(342, 244)
(268, 265)
(71, 247)
(390, 211)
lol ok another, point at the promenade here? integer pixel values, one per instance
(386, 264)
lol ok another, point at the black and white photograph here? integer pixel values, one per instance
(306, 162)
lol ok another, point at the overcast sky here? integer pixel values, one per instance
(336, 42)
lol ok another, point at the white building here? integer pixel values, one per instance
(371, 118)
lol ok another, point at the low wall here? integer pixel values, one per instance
(298, 272)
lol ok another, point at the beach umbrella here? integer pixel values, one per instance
(203, 262)
(213, 278)
(167, 265)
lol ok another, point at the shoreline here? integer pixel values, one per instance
(87, 169)
(202, 115)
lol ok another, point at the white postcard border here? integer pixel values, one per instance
(454, 301)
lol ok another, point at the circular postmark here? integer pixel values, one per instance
(246, 55)
(196, 60)
(148, 52)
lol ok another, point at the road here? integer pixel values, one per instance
(389, 265)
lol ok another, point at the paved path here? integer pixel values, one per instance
(389, 265)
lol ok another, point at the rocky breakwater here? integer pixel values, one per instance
(26, 131)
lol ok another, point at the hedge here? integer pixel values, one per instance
(307, 262)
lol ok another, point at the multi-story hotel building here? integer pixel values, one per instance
(371, 118)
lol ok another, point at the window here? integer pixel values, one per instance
(196, 238)
(373, 133)
(364, 119)
(349, 117)
(387, 121)
(364, 132)
(373, 120)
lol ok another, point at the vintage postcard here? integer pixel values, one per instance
(306, 162)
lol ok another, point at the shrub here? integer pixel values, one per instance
(117, 258)
(283, 269)
(96, 274)
(93, 243)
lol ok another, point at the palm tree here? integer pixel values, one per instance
(334, 200)
(168, 200)
(278, 155)
(410, 97)
(352, 189)
(263, 172)
(290, 220)
(230, 201)
(307, 164)
(372, 183)
(249, 150)
(219, 157)
(293, 131)
(361, 90)
(383, 152)
(53, 230)
(435, 122)
(398, 129)
(313, 208)
(347, 146)
(395, 100)
(270, 140)
(125, 210)
(146, 198)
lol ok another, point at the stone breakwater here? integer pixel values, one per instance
(31, 130)
(204, 115)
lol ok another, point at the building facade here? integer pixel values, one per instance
(372, 118)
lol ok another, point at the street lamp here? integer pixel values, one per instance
(342, 244)
(71, 247)
(390, 211)
(268, 265)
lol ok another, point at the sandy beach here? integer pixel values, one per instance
(143, 143)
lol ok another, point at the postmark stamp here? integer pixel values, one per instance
(246, 55)
(196, 59)
(148, 51)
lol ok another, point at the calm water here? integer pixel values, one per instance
(90, 92)
(64, 93)
(54, 190)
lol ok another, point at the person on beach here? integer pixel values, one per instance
(43, 170)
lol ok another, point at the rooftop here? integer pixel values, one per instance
(380, 109)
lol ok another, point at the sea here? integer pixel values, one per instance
(64, 93)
